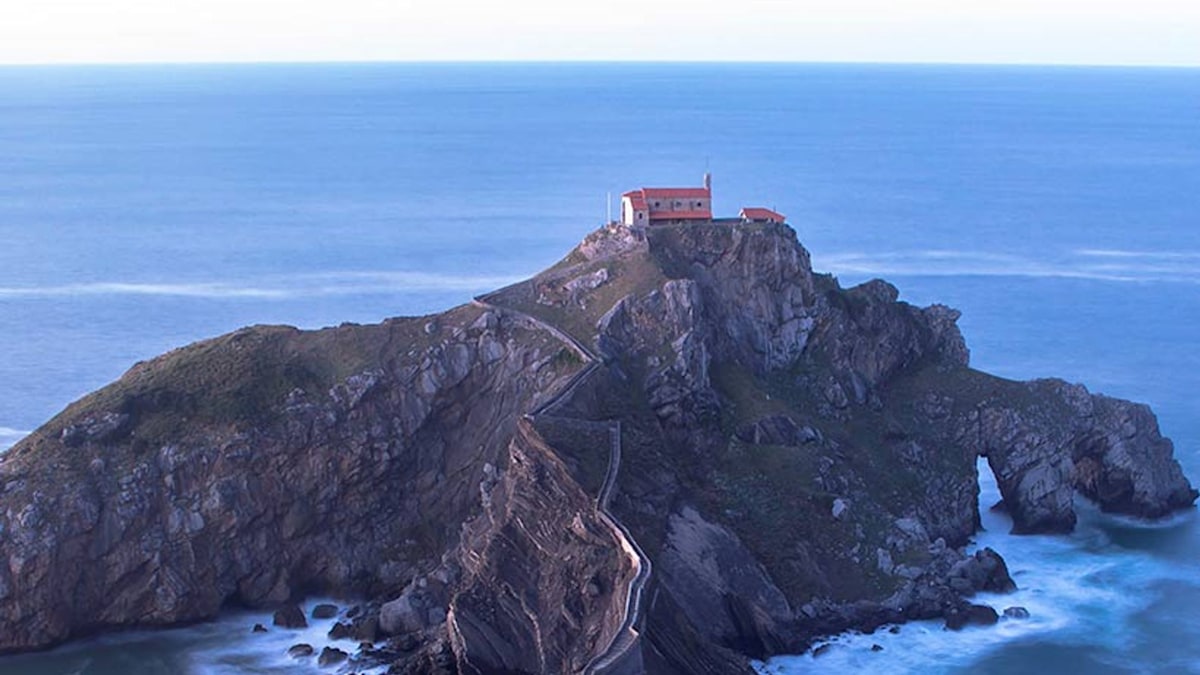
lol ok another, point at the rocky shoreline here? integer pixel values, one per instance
(798, 460)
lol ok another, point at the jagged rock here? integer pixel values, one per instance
(331, 656)
(290, 616)
(587, 282)
(405, 614)
(235, 504)
(366, 629)
(554, 564)
(341, 631)
(365, 459)
(1069, 440)
(732, 600)
(884, 561)
(258, 628)
(984, 571)
(403, 643)
(98, 428)
(777, 430)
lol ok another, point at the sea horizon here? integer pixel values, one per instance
(1052, 204)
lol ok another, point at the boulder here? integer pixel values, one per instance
(331, 656)
(777, 430)
(405, 642)
(1016, 613)
(971, 615)
(300, 651)
(984, 571)
(341, 631)
(405, 614)
(366, 629)
(290, 616)
(324, 611)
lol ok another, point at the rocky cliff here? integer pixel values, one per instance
(788, 457)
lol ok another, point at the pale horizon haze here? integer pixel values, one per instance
(1074, 32)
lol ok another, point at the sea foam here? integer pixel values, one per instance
(1080, 589)
(1089, 264)
(227, 646)
(9, 437)
(278, 287)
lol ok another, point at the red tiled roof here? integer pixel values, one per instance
(639, 200)
(759, 213)
(676, 193)
(681, 215)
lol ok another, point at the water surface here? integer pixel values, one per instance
(145, 207)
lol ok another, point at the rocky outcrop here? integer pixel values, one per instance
(540, 591)
(797, 459)
(1048, 440)
(1123, 463)
(730, 598)
(142, 517)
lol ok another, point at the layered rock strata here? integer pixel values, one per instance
(797, 459)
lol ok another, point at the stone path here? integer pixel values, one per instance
(627, 634)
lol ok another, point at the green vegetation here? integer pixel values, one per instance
(240, 380)
(566, 358)
(584, 446)
(778, 499)
(633, 273)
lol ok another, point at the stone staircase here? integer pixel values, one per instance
(625, 638)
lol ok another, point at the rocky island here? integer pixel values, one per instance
(677, 449)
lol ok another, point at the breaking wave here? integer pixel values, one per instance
(274, 288)
(226, 646)
(1095, 264)
(1087, 594)
(9, 437)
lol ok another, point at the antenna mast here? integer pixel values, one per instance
(608, 203)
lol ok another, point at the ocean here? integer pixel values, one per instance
(144, 207)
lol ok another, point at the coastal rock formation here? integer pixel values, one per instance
(538, 551)
(1114, 455)
(248, 468)
(674, 450)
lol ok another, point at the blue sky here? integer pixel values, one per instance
(1134, 32)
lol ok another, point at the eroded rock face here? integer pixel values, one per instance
(1045, 447)
(542, 576)
(328, 489)
(1124, 464)
(708, 565)
(798, 459)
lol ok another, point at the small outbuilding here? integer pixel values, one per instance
(757, 214)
